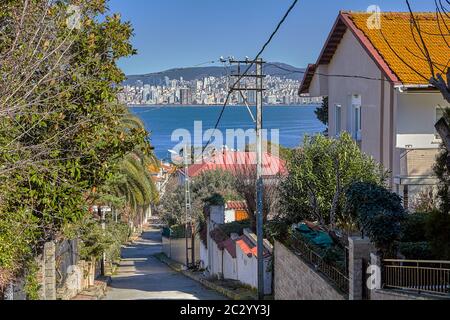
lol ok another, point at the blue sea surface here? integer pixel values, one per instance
(293, 122)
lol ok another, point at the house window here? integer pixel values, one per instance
(439, 114)
(338, 118)
(357, 119)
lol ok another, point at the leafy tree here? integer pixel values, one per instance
(441, 170)
(319, 175)
(133, 184)
(378, 212)
(268, 146)
(438, 234)
(245, 183)
(60, 124)
(322, 112)
(209, 183)
(438, 225)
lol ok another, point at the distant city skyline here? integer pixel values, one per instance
(211, 91)
(181, 33)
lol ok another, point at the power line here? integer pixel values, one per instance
(291, 71)
(283, 19)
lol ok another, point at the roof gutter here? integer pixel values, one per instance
(406, 87)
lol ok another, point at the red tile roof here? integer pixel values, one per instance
(223, 241)
(236, 205)
(238, 161)
(228, 245)
(249, 248)
(395, 38)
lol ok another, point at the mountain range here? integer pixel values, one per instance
(281, 70)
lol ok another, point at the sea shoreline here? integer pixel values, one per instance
(215, 105)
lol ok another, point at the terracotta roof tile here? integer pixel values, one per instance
(236, 205)
(396, 41)
(239, 161)
(248, 247)
(393, 47)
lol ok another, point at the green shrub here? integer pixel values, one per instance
(178, 231)
(334, 255)
(438, 234)
(278, 229)
(215, 200)
(414, 227)
(379, 213)
(319, 174)
(235, 227)
(32, 285)
(118, 234)
(416, 250)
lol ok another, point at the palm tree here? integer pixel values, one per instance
(135, 184)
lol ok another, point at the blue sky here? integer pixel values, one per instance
(183, 33)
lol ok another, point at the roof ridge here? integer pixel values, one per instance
(387, 12)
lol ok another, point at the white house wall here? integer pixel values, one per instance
(215, 261)
(229, 266)
(247, 268)
(352, 60)
(415, 127)
(319, 83)
(204, 255)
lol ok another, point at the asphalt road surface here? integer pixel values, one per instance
(141, 276)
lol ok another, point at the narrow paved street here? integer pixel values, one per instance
(143, 277)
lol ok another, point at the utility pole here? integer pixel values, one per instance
(259, 89)
(259, 179)
(188, 207)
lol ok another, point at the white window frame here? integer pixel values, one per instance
(357, 121)
(356, 117)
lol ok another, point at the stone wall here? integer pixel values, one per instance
(60, 275)
(358, 257)
(68, 282)
(295, 280)
(47, 272)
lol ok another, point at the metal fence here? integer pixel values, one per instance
(336, 275)
(417, 275)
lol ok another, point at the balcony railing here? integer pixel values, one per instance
(415, 275)
(336, 275)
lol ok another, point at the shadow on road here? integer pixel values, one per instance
(141, 276)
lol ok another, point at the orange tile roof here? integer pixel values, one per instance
(236, 205)
(248, 248)
(393, 48)
(396, 42)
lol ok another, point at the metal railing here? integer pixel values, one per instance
(417, 275)
(333, 273)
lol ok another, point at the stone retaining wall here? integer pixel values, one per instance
(295, 280)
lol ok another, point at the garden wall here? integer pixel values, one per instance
(175, 249)
(60, 274)
(295, 280)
